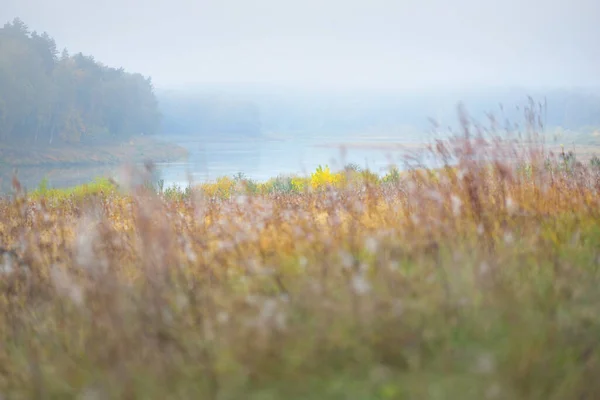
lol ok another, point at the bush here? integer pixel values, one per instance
(392, 176)
(323, 177)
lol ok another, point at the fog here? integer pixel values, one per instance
(410, 44)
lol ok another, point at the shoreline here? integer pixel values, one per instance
(583, 151)
(85, 155)
(374, 146)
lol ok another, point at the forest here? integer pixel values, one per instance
(49, 98)
(253, 110)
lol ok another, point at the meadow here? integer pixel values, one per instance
(477, 280)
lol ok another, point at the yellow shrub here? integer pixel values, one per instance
(224, 187)
(323, 177)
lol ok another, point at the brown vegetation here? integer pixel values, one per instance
(476, 281)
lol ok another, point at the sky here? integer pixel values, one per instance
(331, 43)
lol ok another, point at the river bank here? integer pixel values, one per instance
(135, 150)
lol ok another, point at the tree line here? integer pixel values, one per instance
(47, 98)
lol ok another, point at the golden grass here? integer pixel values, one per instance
(475, 281)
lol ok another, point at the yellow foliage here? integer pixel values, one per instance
(323, 177)
(224, 187)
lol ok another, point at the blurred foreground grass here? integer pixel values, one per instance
(475, 281)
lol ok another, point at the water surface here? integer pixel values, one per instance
(267, 158)
(258, 159)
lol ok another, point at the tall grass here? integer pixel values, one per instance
(475, 281)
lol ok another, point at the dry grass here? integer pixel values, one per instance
(476, 281)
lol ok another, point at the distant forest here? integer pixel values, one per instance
(49, 98)
(208, 114)
(210, 110)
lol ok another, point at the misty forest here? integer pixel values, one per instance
(201, 241)
(50, 97)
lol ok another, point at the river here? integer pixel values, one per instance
(258, 159)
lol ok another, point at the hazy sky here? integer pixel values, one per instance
(370, 43)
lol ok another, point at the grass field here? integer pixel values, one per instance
(475, 281)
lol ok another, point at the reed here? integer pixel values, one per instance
(478, 280)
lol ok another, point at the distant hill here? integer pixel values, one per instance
(208, 115)
(213, 110)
